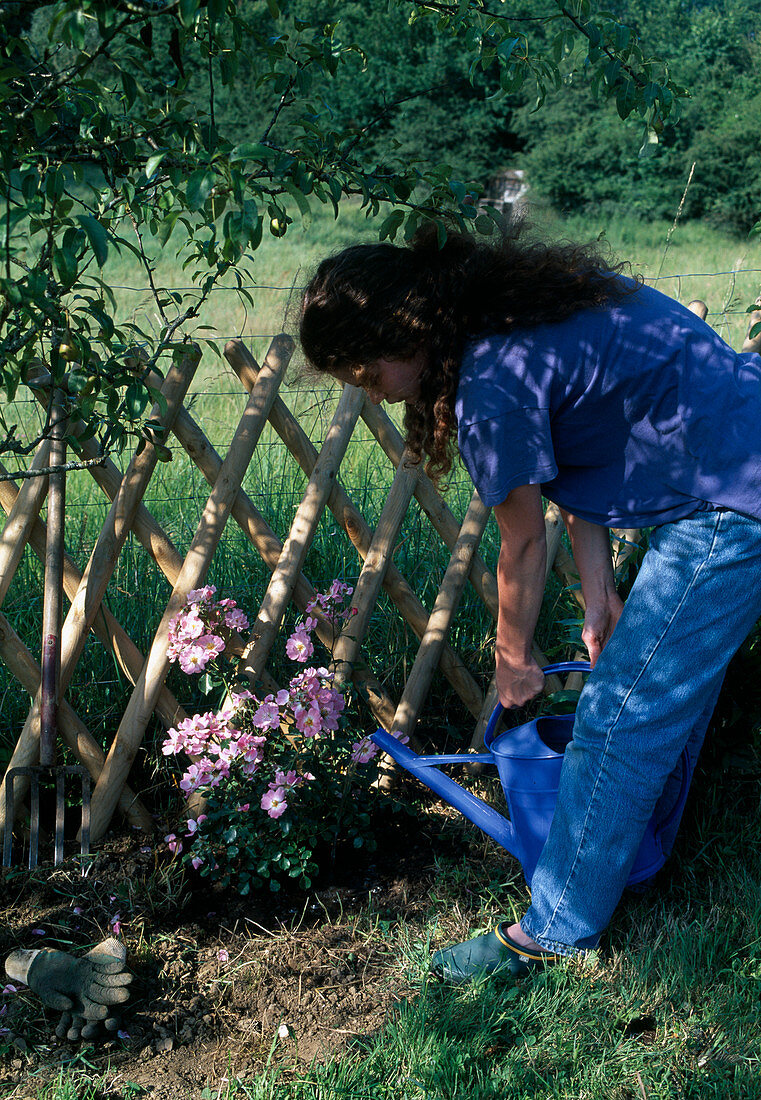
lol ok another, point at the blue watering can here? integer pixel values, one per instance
(528, 760)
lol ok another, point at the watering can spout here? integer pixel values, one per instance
(426, 769)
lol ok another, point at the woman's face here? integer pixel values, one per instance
(391, 380)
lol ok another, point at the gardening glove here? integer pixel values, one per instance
(84, 989)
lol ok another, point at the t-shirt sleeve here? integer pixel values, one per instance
(505, 451)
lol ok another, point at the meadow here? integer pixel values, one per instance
(667, 1010)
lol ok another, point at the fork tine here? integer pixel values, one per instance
(34, 832)
(85, 833)
(59, 813)
(8, 835)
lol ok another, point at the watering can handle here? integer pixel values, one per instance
(548, 670)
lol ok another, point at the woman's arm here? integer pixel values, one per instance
(520, 581)
(591, 553)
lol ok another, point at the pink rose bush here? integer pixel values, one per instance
(283, 780)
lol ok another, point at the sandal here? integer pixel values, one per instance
(493, 953)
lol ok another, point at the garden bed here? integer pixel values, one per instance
(224, 986)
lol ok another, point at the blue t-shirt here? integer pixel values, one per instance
(632, 414)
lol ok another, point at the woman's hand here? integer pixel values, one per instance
(599, 623)
(518, 684)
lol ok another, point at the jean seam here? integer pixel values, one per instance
(569, 877)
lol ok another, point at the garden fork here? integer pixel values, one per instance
(49, 681)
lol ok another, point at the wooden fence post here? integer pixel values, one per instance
(21, 518)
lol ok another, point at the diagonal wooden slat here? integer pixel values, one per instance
(211, 526)
(442, 519)
(445, 605)
(371, 578)
(281, 586)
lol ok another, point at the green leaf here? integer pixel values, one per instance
(199, 186)
(153, 162)
(29, 184)
(136, 399)
(390, 226)
(250, 150)
(273, 8)
(130, 87)
(96, 235)
(506, 47)
(216, 10)
(188, 11)
(66, 267)
(44, 121)
(650, 93)
(167, 226)
(458, 190)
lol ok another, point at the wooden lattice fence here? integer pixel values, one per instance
(284, 560)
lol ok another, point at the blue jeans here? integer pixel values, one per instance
(652, 692)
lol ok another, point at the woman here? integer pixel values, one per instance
(557, 375)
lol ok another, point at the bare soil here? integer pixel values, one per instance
(222, 983)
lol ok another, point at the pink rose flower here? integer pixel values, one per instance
(193, 659)
(363, 751)
(201, 595)
(236, 619)
(299, 646)
(273, 801)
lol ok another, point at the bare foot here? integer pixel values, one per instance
(516, 933)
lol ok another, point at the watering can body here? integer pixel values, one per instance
(528, 761)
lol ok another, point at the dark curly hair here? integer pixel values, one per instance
(383, 301)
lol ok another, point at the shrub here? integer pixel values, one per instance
(281, 778)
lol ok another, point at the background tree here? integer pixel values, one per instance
(579, 155)
(116, 133)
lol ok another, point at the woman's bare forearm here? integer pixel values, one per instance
(520, 579)
(590, 544)
(603, 606)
